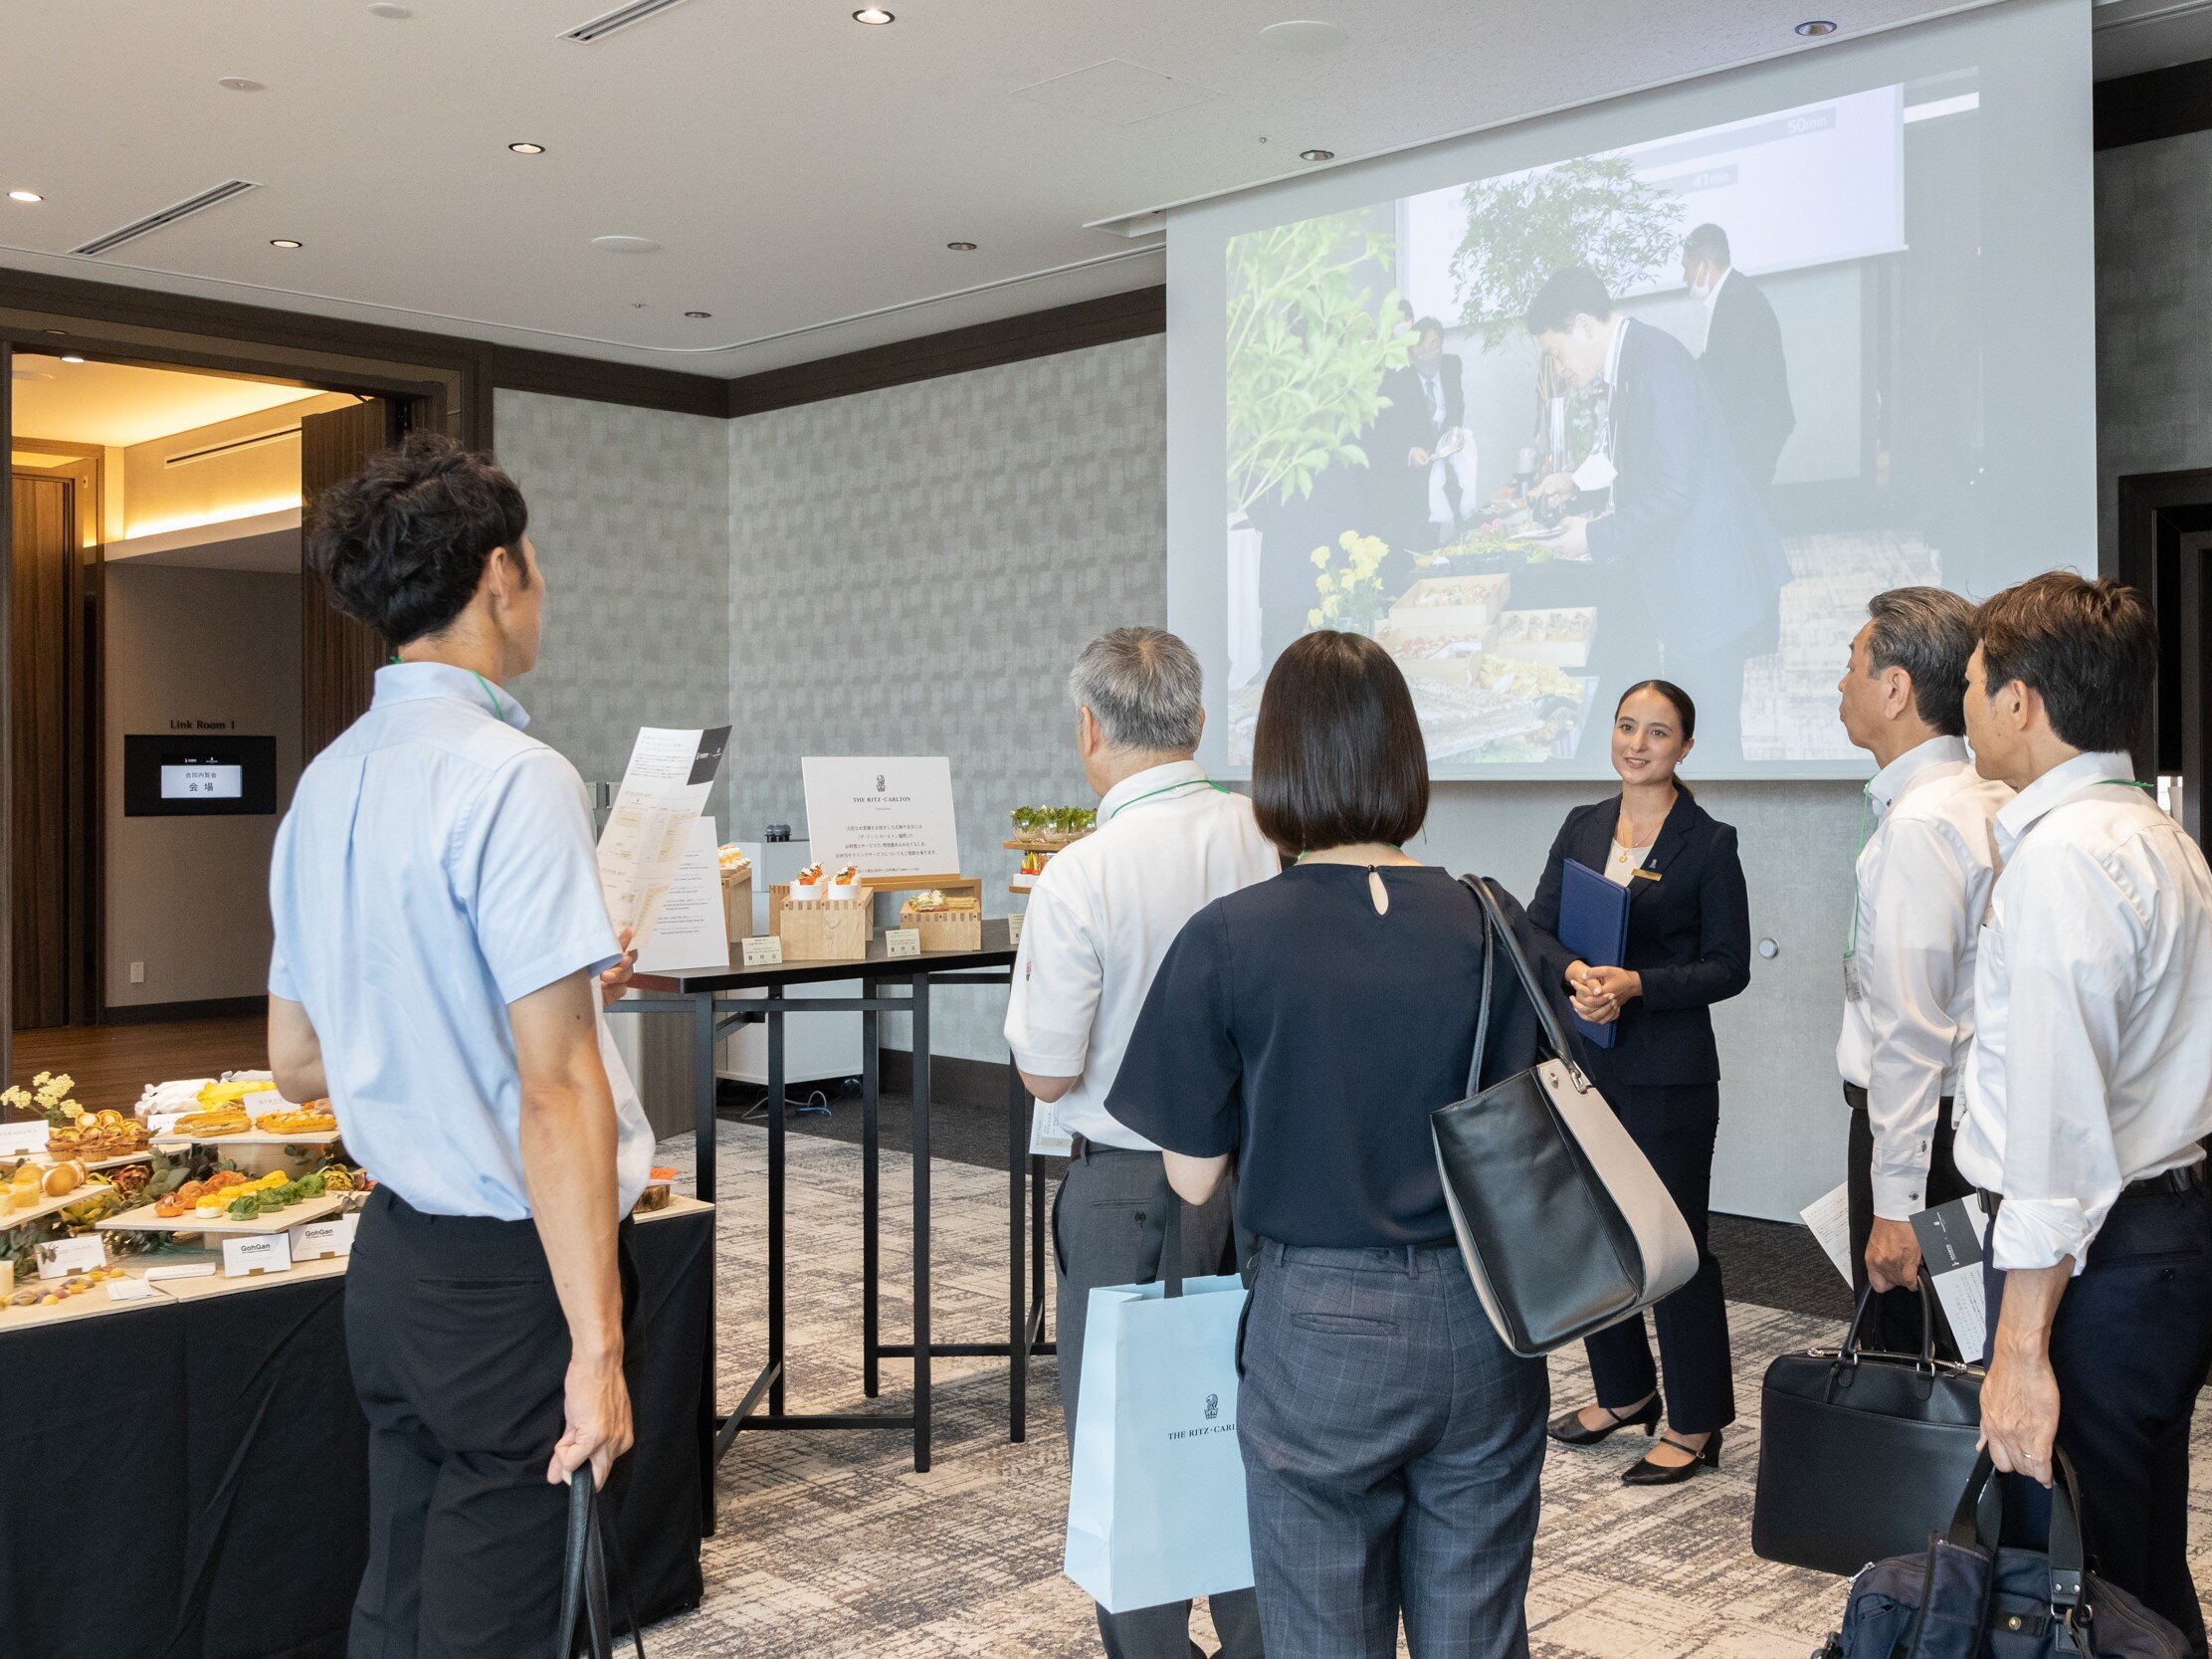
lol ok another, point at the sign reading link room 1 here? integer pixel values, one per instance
(199, 768)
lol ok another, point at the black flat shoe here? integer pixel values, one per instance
(1644, 1472)
(1567, 1430)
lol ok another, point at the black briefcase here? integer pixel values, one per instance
(1861, 1454)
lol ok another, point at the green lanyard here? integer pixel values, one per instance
(1163, 790)
(1866, 829)
(498, 711)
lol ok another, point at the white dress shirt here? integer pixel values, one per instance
(436, 866)
(2092, 1063)
(1101, 918)
(1923, 882)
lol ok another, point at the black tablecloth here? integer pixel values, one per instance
(189, 1480)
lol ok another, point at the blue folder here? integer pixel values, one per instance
(1593, 924)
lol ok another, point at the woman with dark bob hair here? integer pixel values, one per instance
(1306, 1027)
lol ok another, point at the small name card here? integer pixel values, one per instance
(763, 951)
(261, 1253)
(65, 1256)
(182, 1270)
(129, 1290)
(19, 1138)
(1048, 1136)
(902, 941)
(1014, 928)
(313, 1240)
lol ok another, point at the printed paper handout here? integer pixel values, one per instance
(664, 791)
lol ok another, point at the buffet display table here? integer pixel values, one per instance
(186, 1476)
(706, 998)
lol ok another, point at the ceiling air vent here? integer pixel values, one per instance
(621, 17)
(168, 216)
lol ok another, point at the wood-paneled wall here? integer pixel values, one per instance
(44, 673)
(339, 656)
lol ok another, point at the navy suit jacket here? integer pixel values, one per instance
(1688, 935)
(1743, 360)
(1686, 519)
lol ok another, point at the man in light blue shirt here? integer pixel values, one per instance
(441, 953)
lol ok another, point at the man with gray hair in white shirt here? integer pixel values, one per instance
(2088, 1087)
(1927, 862)
(1100, 918)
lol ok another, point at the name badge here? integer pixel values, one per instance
(1854, 991)
(1645, 874)
(1048, 1136)
(765, 951)
(902, 941)
(1014, 930)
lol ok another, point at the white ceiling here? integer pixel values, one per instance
(119, 405)
(801, 172)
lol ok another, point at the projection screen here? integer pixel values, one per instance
(1664, 388)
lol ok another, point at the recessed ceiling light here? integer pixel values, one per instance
(71, 357)
(1317, 155)
(626, 243)
(1817, 27)
(699, 317)
(239, 83)
(873, 14)
(384, 8)
(25, 196)
(527, 149)
(961, 247)
(282, 242)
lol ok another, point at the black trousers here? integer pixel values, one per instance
(1674, 1126)
(2131, 1347)
(460, 1353)
(1893, 1322)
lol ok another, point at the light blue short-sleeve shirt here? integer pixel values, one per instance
(437, 865)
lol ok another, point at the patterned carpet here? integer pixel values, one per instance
(830, 1543)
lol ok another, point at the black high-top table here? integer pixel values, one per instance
(888, 986)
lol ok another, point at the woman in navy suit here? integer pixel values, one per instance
(1689, 946)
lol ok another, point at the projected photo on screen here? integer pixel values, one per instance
(1677, 409)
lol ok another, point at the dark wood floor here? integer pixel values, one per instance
(114, 1063)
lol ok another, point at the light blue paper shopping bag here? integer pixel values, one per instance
(1155, 1497)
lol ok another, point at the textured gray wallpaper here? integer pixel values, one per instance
(913, 573)
(2153, 314)
(629, 515)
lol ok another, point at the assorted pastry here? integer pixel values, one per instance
(734, 860)
(213, 1120)
(846, 884)
(808, 882)
(47, 1293)
(315, 1118)
(96, 1136)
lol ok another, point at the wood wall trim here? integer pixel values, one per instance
(1012, 340)
(550, 373)
(2158, 103)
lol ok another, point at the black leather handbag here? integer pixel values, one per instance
(586, 1622)
(1861, 1454)
(1563, 1224)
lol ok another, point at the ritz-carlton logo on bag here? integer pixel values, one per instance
(1213, 1415)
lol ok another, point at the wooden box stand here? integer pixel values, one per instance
(737, 903)
(822, 930)
(958, 927)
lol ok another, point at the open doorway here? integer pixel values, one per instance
(160, 706)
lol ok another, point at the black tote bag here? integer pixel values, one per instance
(586, 1619)
(1861, 1454)
(1563, 1224)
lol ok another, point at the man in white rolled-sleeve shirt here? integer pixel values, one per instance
(2088, 1087)
(1101, 918)
(1923, 882)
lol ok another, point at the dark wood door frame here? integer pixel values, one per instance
(2164, 549)
(87, 803)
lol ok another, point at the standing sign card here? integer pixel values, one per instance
(890, 818)
(664, 790)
